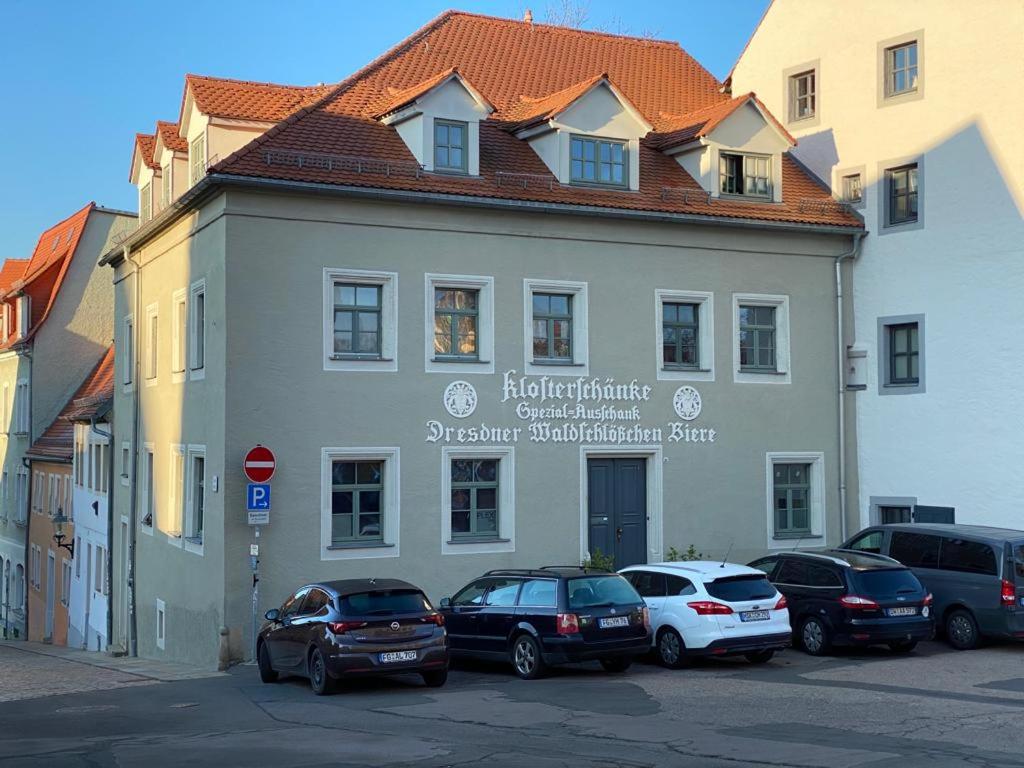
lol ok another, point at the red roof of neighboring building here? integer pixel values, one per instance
(144, 143)
(168, 133)
(245, 100)
(12, 271)
(58, 440)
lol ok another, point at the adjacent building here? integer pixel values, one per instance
(510, 295)
(899, 110)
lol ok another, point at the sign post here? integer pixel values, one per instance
(259, 465)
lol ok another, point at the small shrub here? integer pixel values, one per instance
(691, 553)
(599, 561)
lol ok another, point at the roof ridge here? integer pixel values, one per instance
(236, 81)
(577, 84)
(91, 204)
(565, 29)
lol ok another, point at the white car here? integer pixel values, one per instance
(704, 608)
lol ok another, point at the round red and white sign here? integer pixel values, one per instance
(259, 464)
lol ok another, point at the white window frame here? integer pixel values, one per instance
(197, 165)
(146, 202)
(5, 493)
(78, 560)
(128, 353)
(35, 573)
(65, 582)
(126, 463)
(5, 413)
(166, 184)
(506, 458)
(160, 628)
(484, 329)
(148, 483)
(580, 365)
(390, 510)
(175, 493)
(388, 282)
(816, 499)
(152, 373)
(24, 315)
(193, 452)
(783, 354)
(21, 408)
(705, 301)
(197, 372)
(179, 334)
(21, 496)
(6, 321)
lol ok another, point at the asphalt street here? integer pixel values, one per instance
(935, 707)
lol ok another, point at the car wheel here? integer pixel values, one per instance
(319, 679)
(617, 664)
(435, 679)
(814, 636)
(671, 650)
(267, 673)
(760, 657)
(962, 630)
(526, 658)
(902, 646)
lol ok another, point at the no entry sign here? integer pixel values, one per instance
(259, 464)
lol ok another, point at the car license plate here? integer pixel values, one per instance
(908, 611)
(614, 621)
(755, 615)
(394, 656)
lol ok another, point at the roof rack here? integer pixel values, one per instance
(860, 553)
(516, 572)
(584, 568)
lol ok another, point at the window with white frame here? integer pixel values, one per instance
(99, 458)
(853, 190)
(901, 68)
(24, 315)
(148, 487)
(127, 351)
(603, 162)
(803, 95)
(166, 184)
(19, 588)
(4, 494)
(65, 582)
(556, 327)
(451, 153)
(21, 496)
(360, 505)
(99, 571)
(197, 330)
(161, 624)
(761, 339)
(179, 334)
(360, 320)
(152, 356)
(38, 486)
(197, 159)
(21, 407)
(195, 501)
(745, 175)
(175, 486)
(795, 490)
(79, 455)
(5, 413)
(459, 324)
(78, 560)
(6, 321)
(145, 203)
(478, 499)
(35, 571)
(685, 333)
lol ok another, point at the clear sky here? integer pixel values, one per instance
(80, 79)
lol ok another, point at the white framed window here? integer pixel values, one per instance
(360, 504)
(555, 328)
(5, 492)
(197, 159)
(152, 356)
(99, 459)
(195, 498)
(99, 584)
(5, 414)
(21, 496)
(78, 456)
(127, 352)
(478, 500)
(360, 317)
(795, 498)
(65, 582)
(148, 488)
(179, 334)
(161, 624)
(745, 175)
(197, 331)
(78, 560)
(6, 321)
(458, 323)
(126, 462)
(166, 184)
(145, 203)
(24, 315)
(175, 498)
(35, 570)
(760, 339)
(19, 588)
(684, 327)
(21, 408)
(38, 489)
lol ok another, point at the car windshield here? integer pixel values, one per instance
(890, 581)
(737, 589)
(598, 591)
(384, 603)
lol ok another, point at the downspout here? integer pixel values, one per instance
(110, 528)
(133, 649)
(841, 371)
(28, 504)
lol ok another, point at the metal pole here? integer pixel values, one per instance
(255, 559)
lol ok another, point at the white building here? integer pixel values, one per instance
(907, 111)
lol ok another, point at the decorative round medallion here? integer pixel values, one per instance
(687, 403)
(460, 399)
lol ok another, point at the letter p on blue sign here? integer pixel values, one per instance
(257, 496)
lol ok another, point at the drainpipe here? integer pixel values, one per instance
(28, 504)
(841, 370)
(110, 527)
(133, 649)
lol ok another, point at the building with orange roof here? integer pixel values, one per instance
(511, 294)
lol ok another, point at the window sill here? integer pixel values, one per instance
(360, 545)
(746, 198)
(357, 359)
(557, 363)
(760, 372)
(684, 369)
(463, 360)
(481, 540)
(194, 540)
(903, 385)
(795, 537)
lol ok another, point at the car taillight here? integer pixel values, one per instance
(433, 618)
(341, 627)
(1008, 594)
(709, 608)
(567, 624)
(928, 599)
(647, 617)
(781, 604)
(858, 603)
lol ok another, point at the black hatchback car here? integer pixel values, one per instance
(357, 627)
(840, 597)
(552, 615)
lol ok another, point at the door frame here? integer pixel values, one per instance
(654, 461)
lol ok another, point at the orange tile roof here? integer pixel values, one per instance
(168, 133)
(508, 60)
(531, 111)
(144, 143)
(91, 398)
(702, 122)
(405, 96)
(245, 100)
(12, 271)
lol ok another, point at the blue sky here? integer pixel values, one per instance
(82, 78)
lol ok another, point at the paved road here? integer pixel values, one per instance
(934, 708)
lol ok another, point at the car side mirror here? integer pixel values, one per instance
(273, 615)
(446, 602)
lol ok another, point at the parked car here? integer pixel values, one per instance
(358, 627)
(840, 597)
(552, 615)
(701, 608)
(976, 574)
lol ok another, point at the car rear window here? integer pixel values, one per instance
(384, 602)
(737, 589)
(1018, 559)
(595, 591)
(889, 581)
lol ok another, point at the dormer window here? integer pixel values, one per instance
(598, 161)
(145, 203)
(197, 159)
(745, 175)
(165, 185)
(450, 155)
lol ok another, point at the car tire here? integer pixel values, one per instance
(526, 657)
(671, 650)
(760, 657)
(962, 630)
(902, 646)
(435, 679)
(814, 637)
(320, 679)
(267, 672)
(617, 664)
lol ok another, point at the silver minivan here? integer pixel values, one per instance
(975, 574)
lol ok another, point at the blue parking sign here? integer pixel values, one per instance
(257, 496)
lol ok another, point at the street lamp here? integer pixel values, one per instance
(59, 521)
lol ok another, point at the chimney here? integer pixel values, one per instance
(528, 16)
